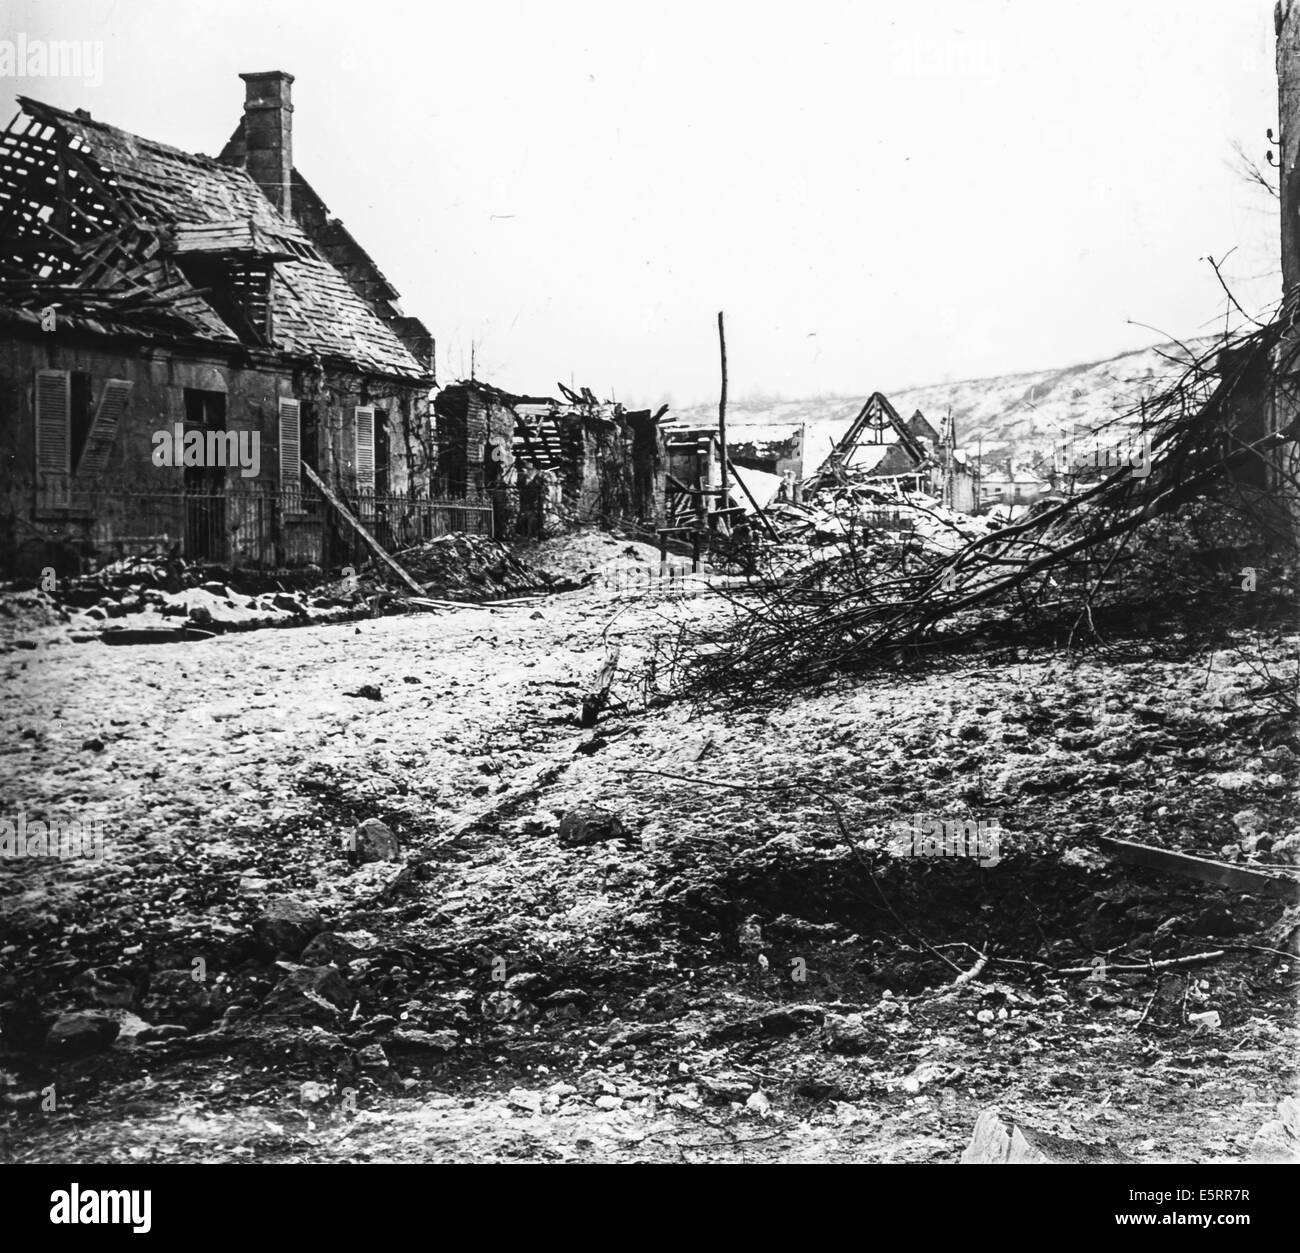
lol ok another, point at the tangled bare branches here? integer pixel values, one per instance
(1217, 468)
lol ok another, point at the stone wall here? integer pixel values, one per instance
(34, 518)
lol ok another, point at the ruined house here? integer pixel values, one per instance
(148, 293)
(772, 448)
(880, 448)
(543, 461)
(1009, 484)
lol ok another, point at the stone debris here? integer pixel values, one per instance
(1000, 1141)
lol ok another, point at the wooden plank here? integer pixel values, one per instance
(1219, 873)
(373, 544)
(749, 496)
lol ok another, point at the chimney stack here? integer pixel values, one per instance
(268, 135)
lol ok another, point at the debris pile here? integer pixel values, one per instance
(473, 567)
(155, 600)
(879, 513)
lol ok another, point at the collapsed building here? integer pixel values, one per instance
(154, 301)
(880, 449)
(544, 461)
(771, 448)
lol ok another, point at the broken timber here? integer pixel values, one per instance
(595, 701)
(347, 515)
(1218, 873)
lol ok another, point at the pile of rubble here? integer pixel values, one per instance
(473, 567)
(144, 600)
(864, 513)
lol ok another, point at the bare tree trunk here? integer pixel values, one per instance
(1286, 400)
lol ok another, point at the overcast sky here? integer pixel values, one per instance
(877, 194)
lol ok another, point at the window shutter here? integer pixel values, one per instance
(103, 430)
(365, 419)
(290, 445)
(53, 421)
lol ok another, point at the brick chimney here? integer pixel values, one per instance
(268, 134)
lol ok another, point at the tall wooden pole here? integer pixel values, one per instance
(1286, 396)
(722, 409)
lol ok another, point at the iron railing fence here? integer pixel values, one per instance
(247, 525)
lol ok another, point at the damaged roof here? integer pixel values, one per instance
(108, 227)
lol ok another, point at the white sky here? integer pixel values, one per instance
(877, 193)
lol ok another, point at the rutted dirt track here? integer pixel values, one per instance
(743, 974)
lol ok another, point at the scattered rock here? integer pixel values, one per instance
(1288, 849)
(521, 984)
(314, 993)
(339, 947)
(998, 1141)
(1234, 780)
(566, 996)
(175, 996)
(1279, 1139)
(788, 1021)
(589, 825)
(415, 1040)
(367, 691)
(82, 1033)
(1249, 821)
(1084, 858)
(108, 986)
(522, 1098)
(847, 1036)
(312, 1093)
(163, 1031)
(726, 1087)
(376, 842)
(286, 926)
(373, 1058)
(926, 1075)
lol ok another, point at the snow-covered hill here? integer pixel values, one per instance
(1010, 413)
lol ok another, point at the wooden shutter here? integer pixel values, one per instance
(103, 429)
(365, 427)
(290, 445)
(53, 421)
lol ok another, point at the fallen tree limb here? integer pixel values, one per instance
(1219, 873)
(1196, 959)
(973, 973)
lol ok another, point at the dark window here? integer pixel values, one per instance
(205, 508)
(381, 452)
(310, 437)
(205, 411)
